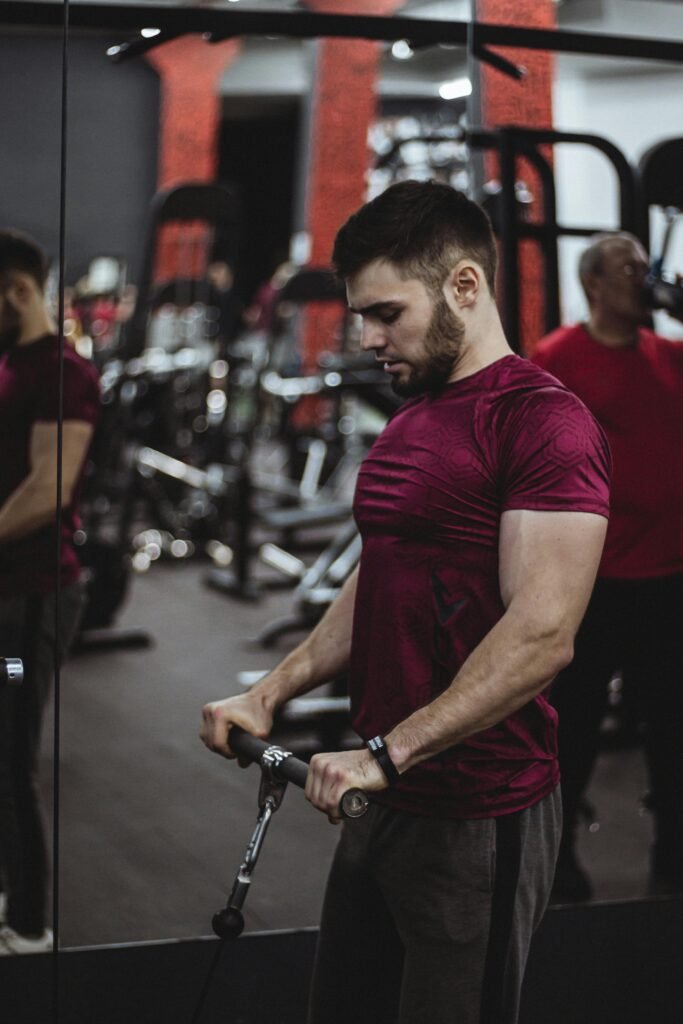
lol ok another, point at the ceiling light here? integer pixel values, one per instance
(402, 50)
(455, 89)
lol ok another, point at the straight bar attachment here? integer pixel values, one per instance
(278, 767)
(281, 764)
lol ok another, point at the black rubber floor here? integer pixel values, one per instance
(153, 827)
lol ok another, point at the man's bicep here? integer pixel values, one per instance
(549, 561)
(76, 436)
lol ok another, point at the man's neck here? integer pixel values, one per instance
(35, 327)
(485, 344)
(613, 332)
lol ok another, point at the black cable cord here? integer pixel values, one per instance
(199, 1006)
(58, 603)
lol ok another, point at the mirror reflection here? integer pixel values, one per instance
(205, 186)
(40, 595)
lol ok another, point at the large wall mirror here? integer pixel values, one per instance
(210, 493)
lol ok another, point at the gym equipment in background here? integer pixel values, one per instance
(165, 392)
(661, 187)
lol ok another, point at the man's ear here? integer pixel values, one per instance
(20, 289)
(464, 283)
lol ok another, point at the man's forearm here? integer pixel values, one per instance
(322, 656)
(506, 670)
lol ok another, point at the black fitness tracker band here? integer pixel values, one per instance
(378, 749)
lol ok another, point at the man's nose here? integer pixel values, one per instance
(372, 336)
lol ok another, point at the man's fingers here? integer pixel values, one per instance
(325, 785)
(218, 718)
(215, 730)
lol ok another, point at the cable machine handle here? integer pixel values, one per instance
(286, 767)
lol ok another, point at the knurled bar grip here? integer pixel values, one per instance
(354, 802)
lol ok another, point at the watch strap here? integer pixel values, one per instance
(377, 748)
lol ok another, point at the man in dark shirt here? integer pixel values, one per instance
(632, 381)
(29, 577)
(482, 509)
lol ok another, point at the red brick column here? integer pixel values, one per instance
(344, 105)
(190, 70)
(344, 108)
(528, 102)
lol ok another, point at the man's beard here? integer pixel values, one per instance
(10, 328)
(442, 342)
(8, 338)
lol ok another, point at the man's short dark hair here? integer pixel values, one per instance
(19, 252)
(423, 228)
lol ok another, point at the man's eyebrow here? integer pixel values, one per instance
(376, 307)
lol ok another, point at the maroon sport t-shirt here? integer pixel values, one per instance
(636, 394)
(428, 503)
(29, 378)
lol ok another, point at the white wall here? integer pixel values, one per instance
(633, 104)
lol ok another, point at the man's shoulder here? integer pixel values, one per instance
(650, 338)
(530, 403)
(80, 364)
(80, 381)
(557, 342)
(78, 372)
(46, 350)
(519, 379)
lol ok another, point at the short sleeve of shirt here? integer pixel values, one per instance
(554, 455)
(81, 393)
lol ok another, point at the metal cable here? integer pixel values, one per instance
(199, 1006)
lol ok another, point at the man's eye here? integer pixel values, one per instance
(391, 318)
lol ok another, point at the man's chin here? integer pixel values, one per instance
(407, 387)
(398, 388)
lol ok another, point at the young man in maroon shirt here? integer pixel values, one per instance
(632, 381)
(29, 578)
(482, 509)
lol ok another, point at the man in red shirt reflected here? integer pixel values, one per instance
(30, 372)
(632, 381)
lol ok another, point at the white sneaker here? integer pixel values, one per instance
(12, 943)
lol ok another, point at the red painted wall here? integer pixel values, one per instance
(529, 102)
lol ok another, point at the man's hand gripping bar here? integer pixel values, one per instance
(284, 767)
(278, 767)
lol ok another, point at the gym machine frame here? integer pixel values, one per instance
(514, 142)
(221, 23)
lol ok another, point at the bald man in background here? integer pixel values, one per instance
(632, 381)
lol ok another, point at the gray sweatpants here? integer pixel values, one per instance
(429, 921)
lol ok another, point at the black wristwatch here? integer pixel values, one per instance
(377, 748)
